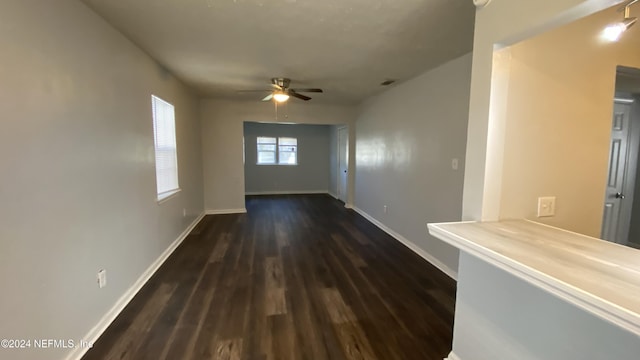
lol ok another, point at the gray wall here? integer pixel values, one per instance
(77, 185)
(501, 317)
(310, 175)
(628, 81)
(406, 139)
(634, 229)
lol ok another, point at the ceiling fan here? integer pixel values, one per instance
(281, 91)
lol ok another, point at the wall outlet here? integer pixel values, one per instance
(102, 278)
(386, 209)
(546, 206)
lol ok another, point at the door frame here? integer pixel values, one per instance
(631, 167)
(632, 157)
(346, 189)
(630, 170)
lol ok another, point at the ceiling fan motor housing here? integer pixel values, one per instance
(281, 82)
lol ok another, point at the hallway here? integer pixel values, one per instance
(297, 277)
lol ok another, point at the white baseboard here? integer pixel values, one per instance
(226, 211)
(452, 356)
(333, 195)
(294, 192)
(415, 248)
(350, 206)
(102, 325)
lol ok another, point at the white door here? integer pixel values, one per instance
(617, 209)
(343, 163)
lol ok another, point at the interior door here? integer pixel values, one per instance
(616, 220)
(343, 163)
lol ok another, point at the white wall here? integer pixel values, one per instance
(558, 126)
(502, 22)
(406, 139)
(222, 130)
(501, 317)
(77, 184)
(311, 174)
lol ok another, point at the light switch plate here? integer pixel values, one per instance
(546, 206)
(102, 278)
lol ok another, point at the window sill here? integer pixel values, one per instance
(277, 164)
(164, 197)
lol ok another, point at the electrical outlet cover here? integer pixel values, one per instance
(546, 206)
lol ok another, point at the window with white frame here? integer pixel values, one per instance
(164, 133)
(287, 151)
(267, 150)
(277, 151)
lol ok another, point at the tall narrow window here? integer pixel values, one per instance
(266, 150)
(164, 131)
(287, 151)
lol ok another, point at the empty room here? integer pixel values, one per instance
(299, 179)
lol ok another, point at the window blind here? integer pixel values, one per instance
(164, 130)
(287, 151)
(266, 150)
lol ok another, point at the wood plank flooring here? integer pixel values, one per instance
(297, 277)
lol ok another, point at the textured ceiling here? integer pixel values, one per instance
(346, 47)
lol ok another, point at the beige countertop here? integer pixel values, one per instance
(600, 277)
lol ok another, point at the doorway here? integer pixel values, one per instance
(343, 163)
(621, 216)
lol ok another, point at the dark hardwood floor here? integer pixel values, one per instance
(297, 277)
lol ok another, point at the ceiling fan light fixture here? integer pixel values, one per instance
(283, 92)
(280, 97)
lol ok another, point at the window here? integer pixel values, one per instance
(287, 151)
(266, 150)
(284, 149)
(164, 134)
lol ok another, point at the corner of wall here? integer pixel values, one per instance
(408, 243)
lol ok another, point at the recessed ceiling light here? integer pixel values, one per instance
(614, 31)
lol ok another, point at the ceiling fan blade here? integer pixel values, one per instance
(308, 90)
(299, 96)
(268, 97)
(249, 91)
